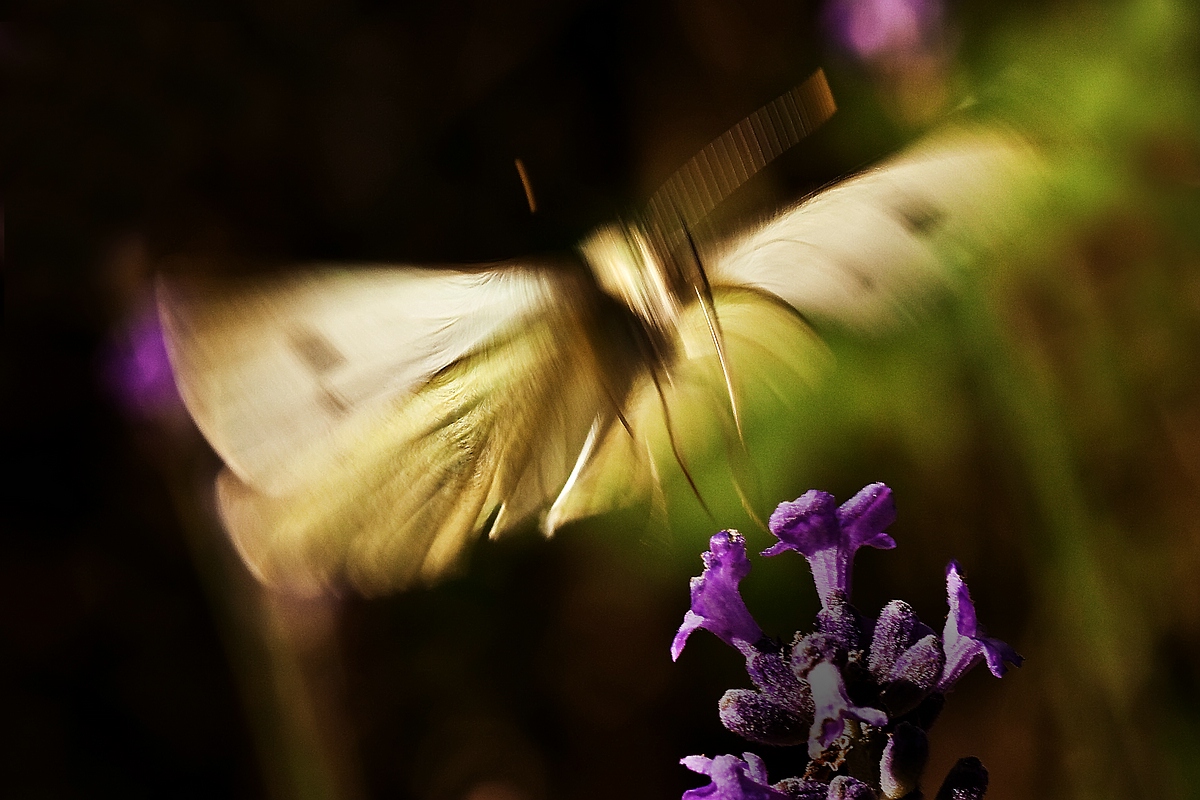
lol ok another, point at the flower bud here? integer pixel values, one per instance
(752, 716)
(904, 758)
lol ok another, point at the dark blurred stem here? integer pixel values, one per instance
(282, 650)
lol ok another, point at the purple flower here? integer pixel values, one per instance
(731, 778)
(137, 369)
(904, 666)
(716, 604)
(962, 639)
(871, 28)
(780, 712)
(895, 667)
(832, 707)
(829, 536)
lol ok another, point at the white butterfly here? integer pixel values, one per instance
(373, 418)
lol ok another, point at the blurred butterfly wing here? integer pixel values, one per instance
(865, 251)
(373, 420)
(861, 254)
(772, 357)
(457, 392)
(273, 369)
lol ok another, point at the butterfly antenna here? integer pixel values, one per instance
(709, 308)
(687, 473)
(616, 407)
(741, 463)
(658, 518)
(527, 185)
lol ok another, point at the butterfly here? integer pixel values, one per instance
(374, 418)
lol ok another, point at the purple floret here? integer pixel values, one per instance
(963, 640)
(829, 536)
(731, 778)
(717, 606)
(897, 667)
(756, 717)
(832, 707)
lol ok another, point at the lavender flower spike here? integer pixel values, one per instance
(833, 708)
(963, 640)
(731, 779)
(829, 536)
(716, 604)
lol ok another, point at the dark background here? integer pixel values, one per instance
(280, 132)
(271, 133)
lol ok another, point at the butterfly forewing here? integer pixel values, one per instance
(459, 392)
(273, 370)
(864, 252)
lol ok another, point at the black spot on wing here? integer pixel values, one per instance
(920, 218)
(315, 351)
(332, 400)
(865, 281)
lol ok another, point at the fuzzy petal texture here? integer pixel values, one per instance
(963, 640)
(753, 716)
(913, 676)
(832, 707)
(717, 605)
(828, 536)
(731, 778)
(841, 622)
(893, 635)
(772, 673)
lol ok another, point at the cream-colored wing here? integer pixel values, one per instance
(273, 369)
(479, 396)
(865, 251)
(862, 254)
